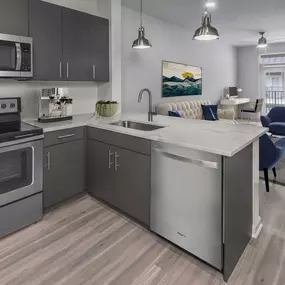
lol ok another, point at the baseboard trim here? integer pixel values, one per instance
(256, 230)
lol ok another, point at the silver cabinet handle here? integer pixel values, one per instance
(66, 136)
(60, 70)
(110, 157)
(48, 161)
(67, 70)
(203, 163)
(116, 161)
(94, 71)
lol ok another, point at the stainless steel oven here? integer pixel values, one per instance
(16, 56)
(21, 169)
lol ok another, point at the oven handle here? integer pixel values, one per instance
(24, 136)
(18, 57)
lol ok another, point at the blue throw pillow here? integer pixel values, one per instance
(210, 112)
(175, 113)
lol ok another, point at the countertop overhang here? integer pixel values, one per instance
(223, 137)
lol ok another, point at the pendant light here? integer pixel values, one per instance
(141, 42)
(262, 42)
(206, 32)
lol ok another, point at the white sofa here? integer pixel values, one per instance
(192, 109)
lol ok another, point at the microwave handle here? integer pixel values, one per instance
(18, 56)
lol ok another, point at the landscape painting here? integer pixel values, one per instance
(181, 79)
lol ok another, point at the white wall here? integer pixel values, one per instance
(248, 70)
(143, 68)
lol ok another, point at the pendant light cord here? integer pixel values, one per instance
(141, 13)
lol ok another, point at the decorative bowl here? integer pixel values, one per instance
(107, 109)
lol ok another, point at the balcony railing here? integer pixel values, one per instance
(273, 99)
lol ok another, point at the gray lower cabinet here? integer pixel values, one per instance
(132, 179)
(100, 176)
(14, 18)
(64, 171)
(121, 178)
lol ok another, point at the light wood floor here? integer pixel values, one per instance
(84, 242)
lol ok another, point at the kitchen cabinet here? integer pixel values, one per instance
(69, 45)
(101, 176)
(45, 29)
(14, 18)
(64, 171)
(99, 55)
(78, 65)
(120, 177)
(132, 179)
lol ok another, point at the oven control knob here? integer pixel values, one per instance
(3, 106)
(12, 105)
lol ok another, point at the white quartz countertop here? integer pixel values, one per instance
(222, 137)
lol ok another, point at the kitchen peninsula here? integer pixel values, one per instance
(192, 182)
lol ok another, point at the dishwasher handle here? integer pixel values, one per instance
(200, 162)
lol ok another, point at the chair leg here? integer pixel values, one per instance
(266, 178)
(274, 172)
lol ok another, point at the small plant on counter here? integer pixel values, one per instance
(107, 108)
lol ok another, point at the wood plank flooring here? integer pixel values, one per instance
(84, 242)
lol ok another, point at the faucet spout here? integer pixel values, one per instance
(150, 111)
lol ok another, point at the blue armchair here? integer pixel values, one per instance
(275, 121)
(270, 154)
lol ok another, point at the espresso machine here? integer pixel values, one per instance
(54, 105)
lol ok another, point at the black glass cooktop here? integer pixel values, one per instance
(17, 130)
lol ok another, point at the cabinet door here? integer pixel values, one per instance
(99, 42)
(64, 172)
(45, 29)
(101, 177)
(76, 46)
(133, 184)
(14, 17)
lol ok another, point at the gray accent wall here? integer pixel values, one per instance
(142, 68)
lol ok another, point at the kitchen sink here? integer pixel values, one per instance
(137, 126)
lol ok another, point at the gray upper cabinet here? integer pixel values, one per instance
(45, 29)
(69, 45)
(99, 44)
(14, 17)
(76, 46)
(64, 171)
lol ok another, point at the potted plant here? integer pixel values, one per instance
(107, 108)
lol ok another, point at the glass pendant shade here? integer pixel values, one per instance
(206, 32)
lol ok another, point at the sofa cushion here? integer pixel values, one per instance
(277, 128)
(210, 112)
(175, 113)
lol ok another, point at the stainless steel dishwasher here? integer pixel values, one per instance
(186, 200)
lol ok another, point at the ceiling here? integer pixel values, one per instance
(238, 21)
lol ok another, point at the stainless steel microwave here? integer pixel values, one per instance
(16, 57)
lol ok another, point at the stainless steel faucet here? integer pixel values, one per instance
(150, 111)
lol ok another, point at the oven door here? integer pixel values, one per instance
(21, 171)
